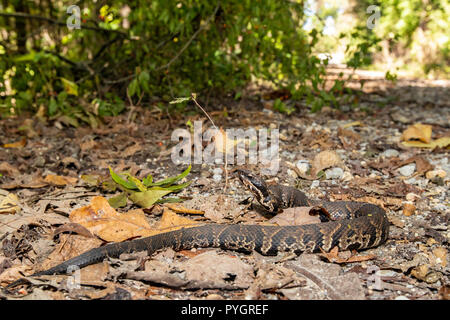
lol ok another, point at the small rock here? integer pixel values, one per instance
(292, 173)
(39, 162)
(217, 171)
(407, 170)
(389, 153)
(412, 197)
(315, 184)
(303, 166)
(347, 176)
(217, 177)
(435, 173)
(334, 173)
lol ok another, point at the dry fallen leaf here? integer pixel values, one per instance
(9, 204)
(441, 256)
(333, 256)
(324, 160)
(59, 180)
(9, 170)
(441, 143)
(105, 222)
(13, 273)
(19, 144)
(418, 131)
(409, 209)
(295, 216)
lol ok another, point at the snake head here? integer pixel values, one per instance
(259, 189)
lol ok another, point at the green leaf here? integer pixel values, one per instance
(179, 100)
(70, 87)
(147, 198)
(118, 201)
(178, 187)
(172, 180)
(137, 182)
(133, 87)
(147, 181)
(91, 180)
(118, 179)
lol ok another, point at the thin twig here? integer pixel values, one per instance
(201, 108)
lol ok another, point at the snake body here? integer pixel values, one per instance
(352, 225)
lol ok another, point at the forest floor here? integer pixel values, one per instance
(375, 151)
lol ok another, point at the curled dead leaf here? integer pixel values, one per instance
(9, 204)
(324, 160)
(418, 131)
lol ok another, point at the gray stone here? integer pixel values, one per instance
(407, 170)
(390, 153)
(303, 166)
(334, 173)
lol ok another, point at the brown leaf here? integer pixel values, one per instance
(333, 256)
(323, 160)
(348, 138)
(70, 246)
(14, 273)
(444, 292)
(409, 209)
(9, 170)
(418, 131)
(131, 150)
(295, 216)
(105, 222)
(9, 204)
(60, 180)
(422, 165)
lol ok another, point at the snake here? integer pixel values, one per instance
(348, 225)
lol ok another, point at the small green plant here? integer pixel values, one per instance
(145, 192)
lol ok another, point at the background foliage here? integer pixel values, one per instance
(127, 52)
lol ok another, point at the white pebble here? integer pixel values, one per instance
(303, 166)
(334, 173)
(390, 153)
(217, 177)
(315, 184)
(217, 171)
(407, 170)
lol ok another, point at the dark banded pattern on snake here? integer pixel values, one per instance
(358, 225)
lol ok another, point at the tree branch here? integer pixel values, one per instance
(22, 15)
